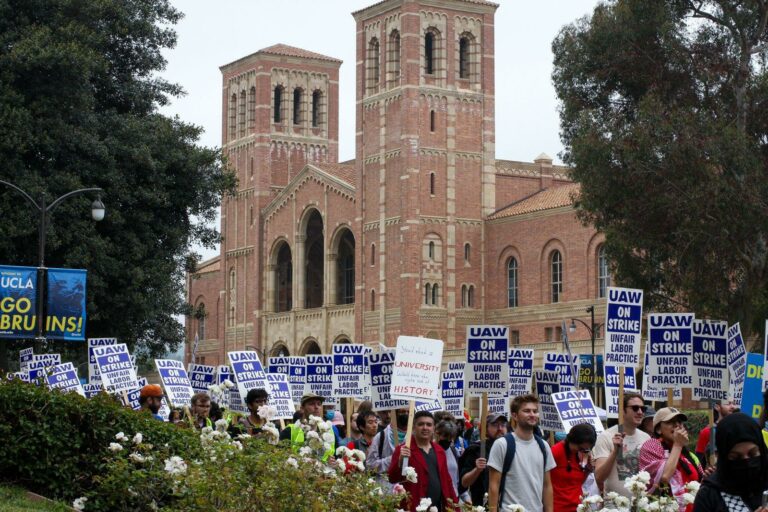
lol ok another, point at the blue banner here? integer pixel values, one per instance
(752, 398)
(66, 304)
(18, 302)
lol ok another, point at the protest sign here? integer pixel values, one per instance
(765, 357)
(248, 371)
(416, 373)
(654, 393)
(25, 356)
(280, 395)
(348, 370)
(752, 396)
(278, 364)
(236, 400)
(612, 388)
(498, 405)
(565, 366)
(547, 384)
(64, 377)
(175, 381)
(41, 364)
(23, 376)
(623, 324)
(297, 376)
(670, 350)
(452, 392)
(455, 366)
(586, 379)
(117, 372)
(320, 378)
(200, 377)
(576, 407)
(520, 371)
(94, 377)
(487, 369)
(224, 373)
(18, 295)
(91, 390)
(381, 364)
(737, 362)
(710, 360)
(135, 394)
(65, 311)
(431, 406)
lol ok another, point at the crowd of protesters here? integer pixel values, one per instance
(514, 464)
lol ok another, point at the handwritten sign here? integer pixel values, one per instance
(416, 373)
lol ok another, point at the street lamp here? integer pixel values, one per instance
(592, 328)
(44, 211)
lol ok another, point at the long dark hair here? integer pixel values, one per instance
(581, 433)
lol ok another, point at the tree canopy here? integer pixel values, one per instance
(663, 119)
(79, 99)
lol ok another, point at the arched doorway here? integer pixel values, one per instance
(345, 269)
(310, 347)
(284, 279)
(314, 270)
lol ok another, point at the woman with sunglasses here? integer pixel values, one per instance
(574, 463)
(666, 456)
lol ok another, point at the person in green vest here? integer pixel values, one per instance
(201, 410)
(311, 405)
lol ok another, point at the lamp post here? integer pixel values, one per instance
(44, 211)
(592, 328)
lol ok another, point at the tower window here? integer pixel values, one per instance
(431, 250)
(278, 103)
(233, 117)
(464, 47)
(241, 112)
(373, 300)
(556, 266)
(252, 108)
(435, 294)
(429, 53)
(373, 254)
(512, 283)
(394, 56)
(432, 183)
(603, 276)
(432, 120)
(471, 296)
(427, 293)
(467, 249)
(316, 95)
(373, 64)
(297, 93)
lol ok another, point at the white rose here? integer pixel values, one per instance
(120, 436)
(115, 447)
(410, 475)
(292, 462)
(79, 503)
(138, 438)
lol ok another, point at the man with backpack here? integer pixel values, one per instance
(473, 468)
(382, 447)
(520, 463)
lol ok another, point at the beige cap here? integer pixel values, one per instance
(668, 414)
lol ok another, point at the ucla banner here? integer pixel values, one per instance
(18, 302)
(66, 304)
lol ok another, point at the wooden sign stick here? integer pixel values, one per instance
(411, 410)
(483, 426)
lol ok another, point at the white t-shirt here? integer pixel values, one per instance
(524, 484)
(625, 466)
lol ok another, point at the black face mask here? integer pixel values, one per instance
(445, 443)
(402, 421)
(742, 473)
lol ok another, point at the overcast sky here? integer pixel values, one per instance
(215, 33)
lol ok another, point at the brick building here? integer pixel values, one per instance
(423, 233)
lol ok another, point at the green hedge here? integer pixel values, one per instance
(54, 443)
(697, 420)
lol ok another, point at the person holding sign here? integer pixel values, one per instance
(473, 468)
(151, 399)
(573, 456)
(741, 477)
(666, 457)
(427, 458)
(520, 463)
(379, 456)
(705, 446)
(617, 450)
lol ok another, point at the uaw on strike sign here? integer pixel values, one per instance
(487, 369)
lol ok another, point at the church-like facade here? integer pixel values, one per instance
(424, 233)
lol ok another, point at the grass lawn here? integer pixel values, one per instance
(14, 499)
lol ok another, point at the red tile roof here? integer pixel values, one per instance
(292, 51)
(346, 173)
(547, 199)
(480, 2)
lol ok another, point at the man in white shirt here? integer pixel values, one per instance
(616, 452)
(526, 480)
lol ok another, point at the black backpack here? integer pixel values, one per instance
(509, 456)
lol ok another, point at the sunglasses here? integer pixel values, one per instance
(638, 408)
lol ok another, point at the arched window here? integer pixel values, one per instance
(464, 296)
(603, 275)
(277, 113)
(467, 249)
(393, 57)
(427, 293)
(373, 254)
(435, 294)
(284, 279)
(432, 183)
(297, 94)
(372, 69)
(556, 275)
(346, 269)
(316, 97)
(241, 112)
(373, 300)
(252, 108)
(250, 215)
(200, 315)
(429, 52)
(431, 120)
(464, 48)
(471, 296)
(251, 167)
(512, 283)
(431, 250)
(233, 117)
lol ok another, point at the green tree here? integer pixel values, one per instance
(79, 98)
(663, 119)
